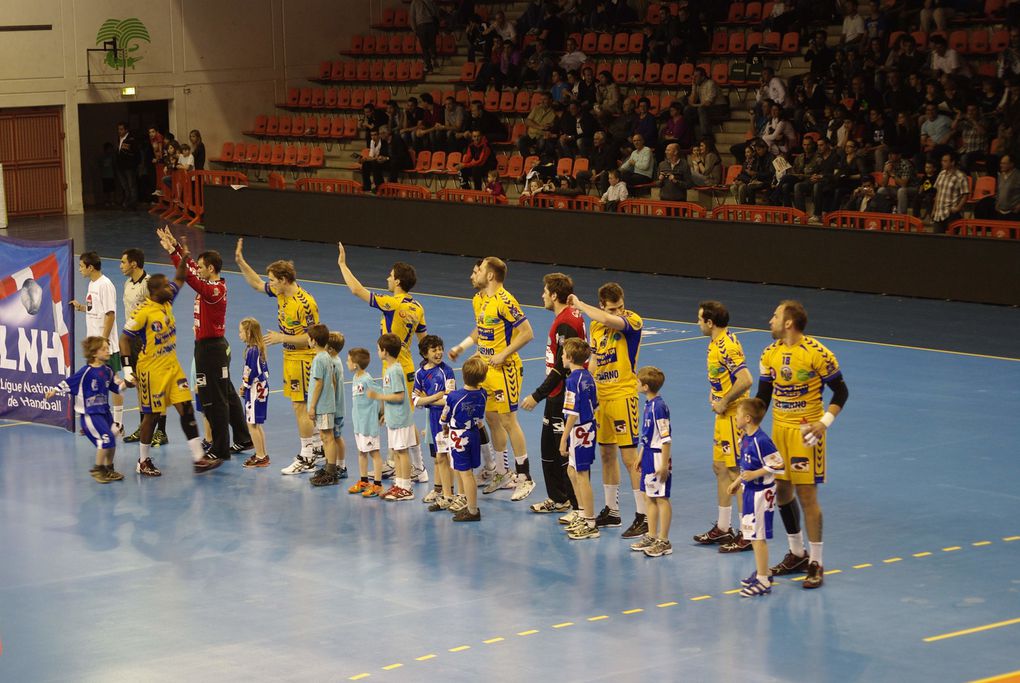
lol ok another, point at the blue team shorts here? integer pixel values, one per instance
(581, 446)
(98, 429)
(255, 411)
(757, 509)
(651, 486)
(338, 426)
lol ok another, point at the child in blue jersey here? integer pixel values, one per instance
(580, 404)
(334, 346)
(322, 382)
(254, 388)
(433, 380)
(760, 462)
(656, 464)
(461, 419)
(365, 421)
(396, 400)
(91, 387)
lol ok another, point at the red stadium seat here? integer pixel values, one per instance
(685, 75)
(332, 97)
(589, 43)
(636, 43)
(273, 125)
(720, 43)
(669, 74)
(293, 97)
(357, 98)
(277, 157)
(653, 73)
(284, 130)
(635, 72)
(621, 44)
(305, 100)
(336, 71)
(290, 156)
(318, 98)
(605, 44)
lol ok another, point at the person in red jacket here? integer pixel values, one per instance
(477, 161)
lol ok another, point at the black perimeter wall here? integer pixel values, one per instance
(929, 266)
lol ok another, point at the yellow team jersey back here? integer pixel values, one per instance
(496, 317)
(615, 357)
(725, 360)
(797, 374)
(404, 317)
(155, 326)
(295, 315)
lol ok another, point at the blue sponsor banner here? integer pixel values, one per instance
(36, 329)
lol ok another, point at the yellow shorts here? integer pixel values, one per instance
(726, 440)
(803, 464)
(617, 421)
(160, 388)
(296, 371)
(503, 387)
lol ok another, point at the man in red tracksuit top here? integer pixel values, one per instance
(567, 324)
(477, 161)
(221, 404)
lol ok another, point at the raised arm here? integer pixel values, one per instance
(249, 274)
(597, 314)
(357, 289)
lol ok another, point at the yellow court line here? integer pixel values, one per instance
(425, 657)
(732, 592)
(490, 641)
(893, 559)
(632, 611)
(358, 677)
(598, 618)
(666, 604)
(832, 571)
(1007, 539)
(968, 631)
(528, 632)
(978, 544)
(701, 597)
(862, 566)
(924, 554)
(460, 648)
(1011, 677)
(951, 549)
(390, 667)
(564, 624)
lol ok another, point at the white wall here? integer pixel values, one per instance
(219, 62)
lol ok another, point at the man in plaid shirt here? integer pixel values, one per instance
(951, 188)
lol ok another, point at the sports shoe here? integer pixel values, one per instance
(755, 589)
(134, 437)
(523, 488)
(324, 478)
(402, 494)
(359, 487)
(639, 527)
(114, 475)
(500, 481)
(608, 518)
(645, 542)
(486, 476)
(659, 548)
(738, 546)
(207, 463)
(237, 448)
(459, 503)
(159, 438)
(815, 576)
(299, 466)
(549, 505)
(583, 532)
(388, 470)
(100, 475)
(430, 497)
(576, 524)
(715, 535)
(570, 517)
(791, 564)
(255, 461)
(465, 516)
(753, 578)
(421, 476)
(147, 469)
(389, 493)
(206, 446)
(341, 473)
(440, 503)
(372, 491)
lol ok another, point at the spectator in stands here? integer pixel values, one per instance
(197, 149)
(779, 134)
(819, 55)
(558, 88)
(1008, 113)
(539, 126)
(478, 38)
(705, 100)
(934, 11)
(899, 181)
(495, 188)
(577, 129)
(186, 160)
(502, 29)
(705, 164)
(394, 115)
(951, 190)
(615, 193)
(905, 57)
(936, 132)
(896, 96)
(127, 166)
(573, 59)
(476, 163)
(500, 70)
(412, 122)
(423, 18)
(925, 199)
(803, 167)
(675, 130)
(371, 119)
(973, 137)
(905, 135)
(772, 89)
(1005, 205)
(601, 159)
(479, 119)
(853, 26)
(609, 101)
(537, 64)
(756, 175)
(639, 166)
(818, 182)
(674, 177)
(850, 169)
(944, 59)
(586, 91)
(873, 142)
(530, 18)
(551, 29)
(953, 98)
(1009, 59)
(445, 131)
(865, 199)
(645, 125)
(373, 162)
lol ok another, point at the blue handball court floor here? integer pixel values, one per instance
(249, 575)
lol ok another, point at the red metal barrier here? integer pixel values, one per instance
(759, 214)
(1003, 230)
(197, 180)
(648, 207)
(884, 222)
(163, 202)
(404, 191)
(178, 197)
(465, 196)
(337, 185)
(581, 202)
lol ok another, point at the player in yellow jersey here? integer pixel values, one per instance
(794, 369)
(296, 312)
(728, 381)
(158, 374)
(501, 330)
(403, 316)
(615, 336)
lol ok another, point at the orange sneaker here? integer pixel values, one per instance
(359, 487)
(372, 491)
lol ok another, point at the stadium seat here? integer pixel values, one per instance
(752, 13)
(383, 95)
(736, 44)
(284, 130)
(332, 97)
(636, 43)
(621, 44)
(491, 102)
(336, 72)
(515, 168)
(438, 163)
(290, 156)
(635, 72)
(619, 72)
(958, 41)
(665, 101)
(350, 127)
(754, 39)
(517, 131)
(318, 158)
(448, 44)
(363, 71)
(766, 9)
(304, 155)
(375, 72)
(396, 43)
(297, 126)
(325, 69)
(403, 72)
(506, 102)
(982, 188)
(422, 163)
(721, 73)
(370, 96)
(400, 18)
(357, 98)
(502, 162)
(468, 71)
(273, 126)
(265, 154)
(323, 127)
(653, 102)
(978, 42)
(605, 44)
(536, 98)
(653, 73)
(318, 98)
(336, 128)
(260, 125)
(293, 97)
(998, 41)
(685, 74)
(669, 74)
(589, 43)
(368, 45)
(277, 157)
(522, 104)
(894, 38)
(736, 13)
(921, 38)
(417, 71)
(530, 163)
(357, 45)
(720, 43)
(772, 41)
(386, 21)
(226, 152)
(350, 71)
(791, 45)
(407, 44)
(382, 45)
(564, 166)
(452, 159)
(653, 15)
(580, 164)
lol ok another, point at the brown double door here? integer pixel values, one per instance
(32, 153)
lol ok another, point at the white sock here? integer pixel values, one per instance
(639, 501)
(590, 521)
(612, 492)
(521, 459)
(143, 451)
(306, 445)
(317, 441)
(724, 521)
(416, 461)
(796, 542)
(197, 453)
(816, 553)
(489, 456)
(501, 462)
(118, 414)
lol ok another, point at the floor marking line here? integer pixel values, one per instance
(798, 578)
(390, 667)
(968, 631)
(425, 657)
(1010, 676)
(564, 624)
(666, 604)
(701, 597)
(358, 677)
(833, 571)
(951, 548)
(893, 559)
(460, 648)
(978, 544)
(924, 554)
(862, 566)
(732, 592)
(497, 639)
(528, 633)
(598, 618)
(633, 611)
(1007, 539)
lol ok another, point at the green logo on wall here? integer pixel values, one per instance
(127, 32)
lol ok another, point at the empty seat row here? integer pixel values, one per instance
(979, 41)
(323, 127)
(397, 44)
(739, 43)
(268, 154)
(336, 98)
(390, 71)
